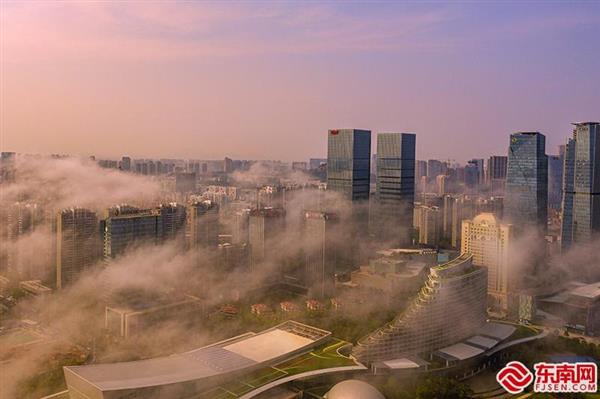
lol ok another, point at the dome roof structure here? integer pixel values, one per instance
(354, 389)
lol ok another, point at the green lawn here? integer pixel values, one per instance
(323, 357)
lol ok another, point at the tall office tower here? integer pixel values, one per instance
(172, 219)
(428, 220)
(78, 244)
(435, 168)
(322, 253)
(348, 163)
(555, 180)
(126, 164)
(185, 182)
(489, 242)
(526, 202)
(264, 230)
(496, 173)
(202, 225)
(395, 187)
(240, 226)
(581, 199)
(127, 227)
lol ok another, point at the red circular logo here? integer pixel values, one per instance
(515, 377)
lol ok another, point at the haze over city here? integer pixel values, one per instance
(265, 80)
(299, 200)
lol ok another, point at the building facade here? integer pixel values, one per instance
(78, 243)
(526, 202)
(581, 201)
(450, 307)
(489, 242)
(392, 209)
(348, 163)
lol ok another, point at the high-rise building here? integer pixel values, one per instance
(472, 177)
(581, 198)
(264, 230)
(479, 164)
(240, 226)
(450, 307)
(395, 187)
(19, 221)
(463, 207)
(496, 173)
(348, 163)
(435, 168)
(202, 225)
(322, 253)
(172, 219)
(126, 227)
(555, 181)
(489, 242)
(78, 243)
(526, 202)
(428, 221)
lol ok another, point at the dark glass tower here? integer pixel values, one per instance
(581, 198)
(526, 203)
(392, 211)
(349, 163)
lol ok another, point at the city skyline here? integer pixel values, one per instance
(196, 77)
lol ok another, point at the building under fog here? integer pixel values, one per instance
(581, 198)
(202, 224)
(264, 230)
(526, 202)
(348, 163)
(323, 252)
(78, 243)
(489, 242)
(127, 227)
(391, 212)
(450, 307)
(193, 373)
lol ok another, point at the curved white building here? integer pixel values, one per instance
(450, 307)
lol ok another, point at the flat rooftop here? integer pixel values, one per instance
(590, 291)
(460, 351)
(235, 354)
(497, 331)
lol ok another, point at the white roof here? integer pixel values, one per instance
(269, 345)
(401, 364)
(461, 351)
(232, 355)
(498, 331)
(483, 342)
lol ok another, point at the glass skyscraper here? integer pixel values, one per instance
(526, 202)
(581, 198)
(395, 195)
(349, 163)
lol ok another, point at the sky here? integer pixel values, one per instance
(265, 80)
